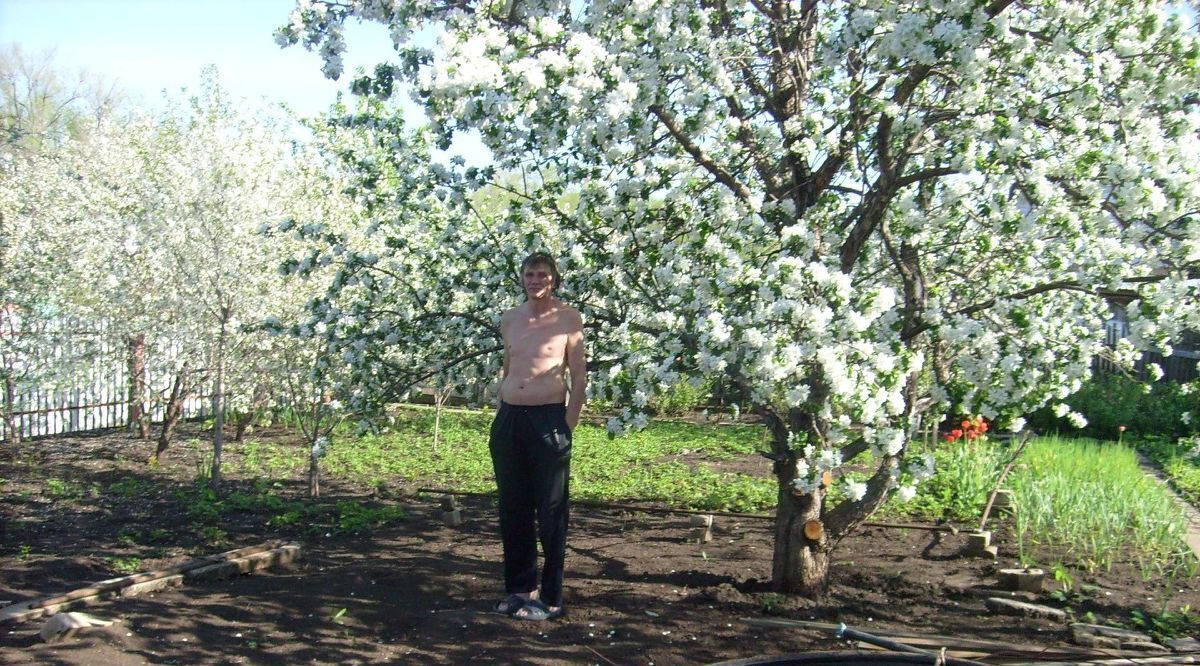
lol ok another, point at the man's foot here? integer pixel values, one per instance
(537, 611)
(510, 604)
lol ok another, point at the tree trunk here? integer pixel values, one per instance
(174, 411)
(137, 385)
(260, 400)
(314, 474)
(12, 432)
(801, 560)
(12, 429)
(439, 399)
(218, 402)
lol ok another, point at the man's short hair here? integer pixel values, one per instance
(542, 259)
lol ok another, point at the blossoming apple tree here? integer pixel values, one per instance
(151, 226)
(862, 213)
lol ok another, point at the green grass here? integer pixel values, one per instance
(1088, 502)
(629, 468)
(958, 492)
(62, 489)
(207, 509)
(124, 565)
(130, 487)
(1179, 459)
(1093, 501)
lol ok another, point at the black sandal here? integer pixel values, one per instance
(537, 611)
(510, 604)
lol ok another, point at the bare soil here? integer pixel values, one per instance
(416, 591)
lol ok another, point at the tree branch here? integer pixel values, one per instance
(1058, 285)
(701, 158)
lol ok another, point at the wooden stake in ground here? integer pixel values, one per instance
(987, 510)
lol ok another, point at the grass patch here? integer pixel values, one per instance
(1179, 459)
(124, 565)
(635, 467)
(641, 466)
(1087, 501)
(1092, 500)
(62, 489)
(130, 487)
(207, 509)
(958, 492)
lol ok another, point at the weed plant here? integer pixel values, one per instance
(124, 565)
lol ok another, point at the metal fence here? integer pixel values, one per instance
(73, 376)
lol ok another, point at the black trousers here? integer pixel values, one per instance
(531, 455)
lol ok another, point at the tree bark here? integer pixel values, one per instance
(137, 385)
(11, 429)
(218, 402)
(260, 400)
(314, 476)
(174, 411)
(803, 540)
(439, 399)
(800, 564)
(7, 319)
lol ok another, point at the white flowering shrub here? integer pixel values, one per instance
(860, 213)
(150, 224)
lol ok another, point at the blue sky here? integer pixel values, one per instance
(147, 46)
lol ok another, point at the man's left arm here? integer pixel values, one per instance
(577, 366)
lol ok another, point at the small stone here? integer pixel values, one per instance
(1187, 644)
(1010, 607)
(1022, 580)
(65, 625)
(1113, 632)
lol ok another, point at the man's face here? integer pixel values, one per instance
(538, 281)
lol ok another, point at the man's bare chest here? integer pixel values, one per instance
(537, 337)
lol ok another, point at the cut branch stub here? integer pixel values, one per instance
(814, 530)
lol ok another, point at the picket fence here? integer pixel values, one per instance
(73, 376)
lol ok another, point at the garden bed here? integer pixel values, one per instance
(383, 579)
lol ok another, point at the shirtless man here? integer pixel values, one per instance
(531, 438)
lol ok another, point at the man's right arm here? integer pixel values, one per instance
(505, 321)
